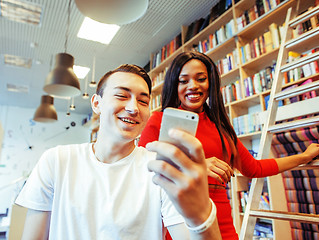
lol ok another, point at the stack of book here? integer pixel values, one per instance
(302, 192)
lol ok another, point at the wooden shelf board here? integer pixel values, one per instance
(248, 136)
(259, 63)
(157, 89)
(229, 77)
(246, 102)
(222, 49)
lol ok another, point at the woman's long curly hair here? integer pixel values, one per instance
(214, 109)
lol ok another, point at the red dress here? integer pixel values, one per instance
(208, 135)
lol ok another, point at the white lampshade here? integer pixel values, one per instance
(113, 11)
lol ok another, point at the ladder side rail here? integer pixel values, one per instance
(248, 223)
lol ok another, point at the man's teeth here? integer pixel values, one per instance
(128, 120)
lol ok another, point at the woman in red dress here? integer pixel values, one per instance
(192, 83)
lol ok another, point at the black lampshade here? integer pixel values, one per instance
(62, 81)
(46, 111)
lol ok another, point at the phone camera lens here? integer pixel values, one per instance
(193, 117)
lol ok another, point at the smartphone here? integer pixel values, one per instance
(179, 119)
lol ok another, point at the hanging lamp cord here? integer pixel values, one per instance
(67, 27)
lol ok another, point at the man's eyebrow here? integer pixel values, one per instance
(129, 90)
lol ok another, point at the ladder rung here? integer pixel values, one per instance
(297, 91)
(304, 17)
(288, 216)
(300, 62)
(311, 165)
(312, 35)
(300, 123)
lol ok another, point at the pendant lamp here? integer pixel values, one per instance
(72, 106)
(62, 81)
(113, 11)
(93, 83)
(46, 112)
(85, 95)
(68, 109)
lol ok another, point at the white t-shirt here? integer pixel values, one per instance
(92, 200)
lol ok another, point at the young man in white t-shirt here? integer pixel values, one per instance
(106, 190)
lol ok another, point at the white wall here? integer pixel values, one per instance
(25, 140)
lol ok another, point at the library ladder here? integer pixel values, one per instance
(279, 213)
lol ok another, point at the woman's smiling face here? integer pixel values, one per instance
(193, 86)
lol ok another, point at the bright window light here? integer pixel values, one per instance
(96, 31)
(80, 71)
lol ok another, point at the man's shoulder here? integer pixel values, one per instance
(65, 151)
(77, 146)
(143, 152)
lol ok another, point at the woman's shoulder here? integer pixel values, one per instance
(157, 114)
(156, 117)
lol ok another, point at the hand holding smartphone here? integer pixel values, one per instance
(179, 119)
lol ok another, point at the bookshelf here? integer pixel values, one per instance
(92, 122)
(243, 37)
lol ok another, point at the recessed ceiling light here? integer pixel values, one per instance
(17, 61)
(17, 88)
(80, 71)
(21, 11)
(96, 31)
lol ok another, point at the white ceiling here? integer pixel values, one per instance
(133, 43)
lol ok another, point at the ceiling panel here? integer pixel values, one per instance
(133, 43)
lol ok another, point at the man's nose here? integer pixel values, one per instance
(131, 106)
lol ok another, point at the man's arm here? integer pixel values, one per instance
(180, 231)
(36, 226)
(187, 186)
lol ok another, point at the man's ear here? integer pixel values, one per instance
(95, 103)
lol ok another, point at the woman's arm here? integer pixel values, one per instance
(290, 162)
(219, 170)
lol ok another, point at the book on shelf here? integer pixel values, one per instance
(205, 23)
(247, 123)
(273, 28)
